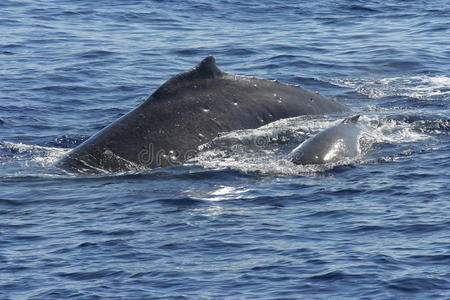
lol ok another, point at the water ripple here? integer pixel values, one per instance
(231, 224)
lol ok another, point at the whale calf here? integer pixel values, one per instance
(189, 110)
(330, 145)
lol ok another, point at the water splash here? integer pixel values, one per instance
(19, 159)
(423, 87)
(242, 151)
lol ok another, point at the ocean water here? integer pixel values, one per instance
(239, 221)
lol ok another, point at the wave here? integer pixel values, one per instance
(423, 87)
(264, 150)
(19, 159)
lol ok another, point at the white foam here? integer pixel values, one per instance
(271, 158)
(424, 87)
(263, 150)
(29, 160)
(391, 131)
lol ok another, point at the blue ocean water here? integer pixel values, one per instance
(236, 222)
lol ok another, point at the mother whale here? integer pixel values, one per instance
(187, 111)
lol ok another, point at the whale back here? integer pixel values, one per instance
(330, 145)
(187, 111)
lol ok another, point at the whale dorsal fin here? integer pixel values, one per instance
(207, 68)
(351, 120)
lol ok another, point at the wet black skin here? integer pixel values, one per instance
(189, 110)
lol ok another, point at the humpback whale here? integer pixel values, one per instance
(189, 110)
(330, 145)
